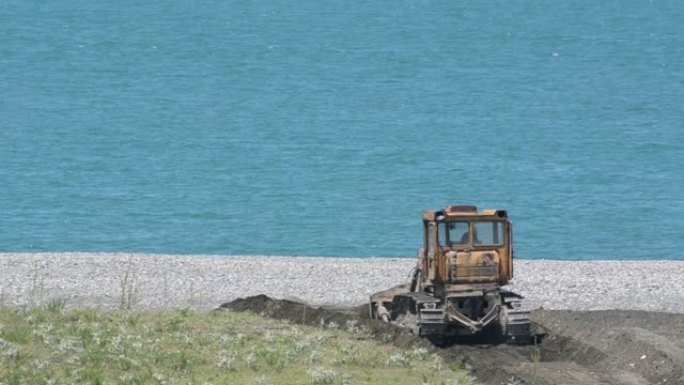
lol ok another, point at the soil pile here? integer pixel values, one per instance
(321, 316)
(613, 347)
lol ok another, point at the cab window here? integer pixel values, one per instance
(489, 233)
(453, 233)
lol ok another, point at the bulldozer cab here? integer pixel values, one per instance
(464, 245)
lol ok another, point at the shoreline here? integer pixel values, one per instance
(322, 257)
(153, 281)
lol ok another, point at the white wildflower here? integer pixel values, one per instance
(399, 359)
(419, 353)
(353, 326)
(225, 360)
(322, 376)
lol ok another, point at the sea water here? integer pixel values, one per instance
(326, 127)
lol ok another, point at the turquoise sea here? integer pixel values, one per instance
(326, 127)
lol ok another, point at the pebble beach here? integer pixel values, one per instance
(153, 281)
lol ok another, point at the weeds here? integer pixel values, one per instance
(322, 376)
(196, 296)
(17, 334)
(37, 286)
(54, 345)
(399, 359)
(56, 305)
(129, 286)
(3, 296)
(535, 357)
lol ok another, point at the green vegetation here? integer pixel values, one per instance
(55, 346)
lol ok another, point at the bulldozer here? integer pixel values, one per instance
(457, 286)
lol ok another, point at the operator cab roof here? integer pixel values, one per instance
(459, 211)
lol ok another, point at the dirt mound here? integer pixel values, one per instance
(578, 348)
(624, 347)
(318, 316)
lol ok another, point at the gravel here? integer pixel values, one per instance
(113, 280)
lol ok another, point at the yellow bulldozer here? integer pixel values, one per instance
(457, 286)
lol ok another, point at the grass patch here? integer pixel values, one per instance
(42, 346)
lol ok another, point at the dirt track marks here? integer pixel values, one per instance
(579, 348)
(636, 347)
